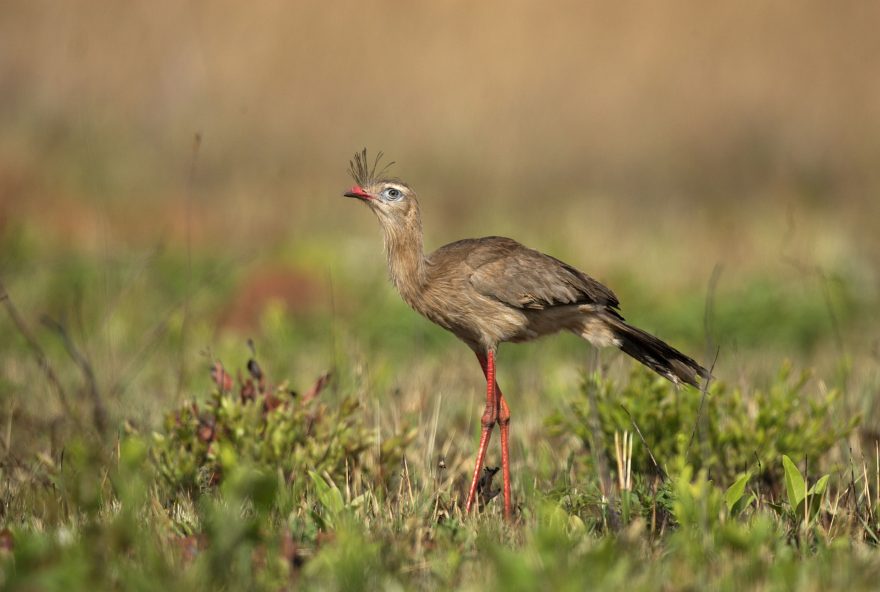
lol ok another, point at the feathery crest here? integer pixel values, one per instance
(364, 174)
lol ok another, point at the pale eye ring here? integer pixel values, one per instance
(393, 194)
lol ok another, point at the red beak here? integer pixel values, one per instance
(358, 192)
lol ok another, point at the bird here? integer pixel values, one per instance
(493, 290)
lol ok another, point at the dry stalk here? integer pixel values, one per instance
(623, 455)
(39, 354)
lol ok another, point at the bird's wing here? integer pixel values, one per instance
(511, 273)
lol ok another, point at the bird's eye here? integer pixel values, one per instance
(393, 194)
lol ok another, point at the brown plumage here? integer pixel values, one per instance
(491, 290)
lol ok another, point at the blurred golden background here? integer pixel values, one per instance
(516, 104)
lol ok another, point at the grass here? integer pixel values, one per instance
(202, 481)
(359, 484)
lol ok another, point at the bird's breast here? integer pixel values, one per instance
(472, 317)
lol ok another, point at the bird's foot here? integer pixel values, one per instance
(484, 487)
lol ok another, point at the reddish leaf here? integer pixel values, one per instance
(316, 389)
(248, 391)
(271, 402)
(7, 541)
(221, 377)
(207, 429)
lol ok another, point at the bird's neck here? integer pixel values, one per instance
(406, 258)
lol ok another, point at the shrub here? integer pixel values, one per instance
(737, 429)
(244, 422)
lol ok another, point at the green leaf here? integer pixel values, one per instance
(745, 503)
(819, 487)
(814, 496)
(794, 483)
(328, 494)
(736, 491)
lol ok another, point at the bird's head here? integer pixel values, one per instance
(392, 200)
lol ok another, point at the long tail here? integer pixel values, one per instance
(654, 353)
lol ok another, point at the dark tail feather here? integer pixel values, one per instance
(660, 357)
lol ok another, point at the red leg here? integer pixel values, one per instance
(504, 424)
(490, 416)
(503, 414)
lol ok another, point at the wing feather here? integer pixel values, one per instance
(509, 272)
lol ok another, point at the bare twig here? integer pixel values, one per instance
(704, 393)
(709, 335)
(136, 363)
(99, 412)
(829, 304)
(39, 354)
(657, 467)
(152, 338)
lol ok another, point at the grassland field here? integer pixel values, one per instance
(207, 382)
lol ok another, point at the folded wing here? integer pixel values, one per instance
(509, 272)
